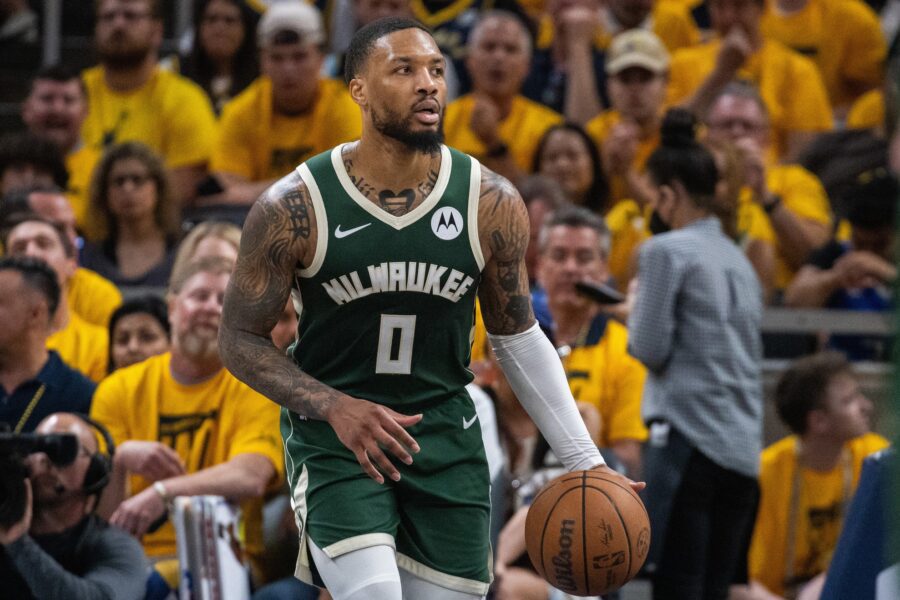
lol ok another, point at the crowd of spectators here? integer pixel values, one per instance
(124, 187)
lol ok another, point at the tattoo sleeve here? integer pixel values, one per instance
(275, 235)
(503, 223)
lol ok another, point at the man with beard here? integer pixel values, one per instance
(55, 109)
(130, 98)
(185, 426)
(386, 240)
(288, 114)
(60, 549)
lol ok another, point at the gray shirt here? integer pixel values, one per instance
(696, 327)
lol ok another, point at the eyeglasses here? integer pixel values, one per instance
(130, 16)
(135, 180)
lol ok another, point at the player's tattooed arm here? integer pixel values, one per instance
(278, 235)
(503, 230)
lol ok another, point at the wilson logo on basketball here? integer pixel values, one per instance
(562, 562)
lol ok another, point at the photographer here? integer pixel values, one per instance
(59, 549)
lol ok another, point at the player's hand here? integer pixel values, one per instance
(20, 528)
(368, 429)
(637, 486)
(733, 52)
(139, 512)
(152, 460)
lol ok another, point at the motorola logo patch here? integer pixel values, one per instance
(447, 223)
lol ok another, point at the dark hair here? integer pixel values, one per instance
(681, 158)
(570, 215)
(872, 201)
(364, 39)
(540, 187)
(148, 305)
(15, 219)
(802, 387)
(598, 194)
(244, 66)
(38, 276)
(30, 149)
(165, 211)
(156, 10)
(60, 74)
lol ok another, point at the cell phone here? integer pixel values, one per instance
(599, 292)
(210, 186)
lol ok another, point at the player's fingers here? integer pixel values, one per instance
(391, 444)
(637, 486)
(396, 424)
(363, 459)
(384, 463)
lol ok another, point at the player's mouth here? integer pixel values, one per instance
(428, 112)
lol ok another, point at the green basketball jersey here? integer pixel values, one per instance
(388, 302)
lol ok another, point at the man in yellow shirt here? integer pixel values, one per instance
(574, 244)
(792, 198)
(131, 98)
(807, 479)
(289, 114)
(184, 426)
(495, 123)
(790, 84)
(637, 64)
(842, 37)
(88, 294)
(55, 109)
(80, 344)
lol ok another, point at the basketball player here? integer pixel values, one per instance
(387, 240)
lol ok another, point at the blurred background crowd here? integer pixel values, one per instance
(136, 134)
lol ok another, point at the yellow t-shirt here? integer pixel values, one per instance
(789, 84)
(80, 165)
(170, 114)
(752, 221)
(207, 424)
(820, 511)
(627, 225)
(867, 112)
(842, 37)
(803, 195)
(600, 371)
(672, 24)
(521, 130)
(599, 128)
(82, 346)
(93, 297)
(259, 145)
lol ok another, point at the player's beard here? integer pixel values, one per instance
(393, 125)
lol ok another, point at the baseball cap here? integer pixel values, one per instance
(294, 15)
(636, 48)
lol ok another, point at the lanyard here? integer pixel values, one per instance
(30, 408)
(791, 587)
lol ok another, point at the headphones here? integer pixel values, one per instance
(100, 467)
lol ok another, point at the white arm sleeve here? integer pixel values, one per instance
(535, 374)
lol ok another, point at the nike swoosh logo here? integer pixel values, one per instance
(467, 424)
(342, 234)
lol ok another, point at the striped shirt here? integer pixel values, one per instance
(696, 327)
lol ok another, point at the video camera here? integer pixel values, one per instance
(60, 448)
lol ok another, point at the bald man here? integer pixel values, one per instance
(60, 549)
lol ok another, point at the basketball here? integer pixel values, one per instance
(587, 533)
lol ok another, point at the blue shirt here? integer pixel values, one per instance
(66, 390)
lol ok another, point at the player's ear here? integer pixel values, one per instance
(357, 87)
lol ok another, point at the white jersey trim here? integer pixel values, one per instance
(321, 222)
(472, 217)
(453, 582)
(337, 162)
